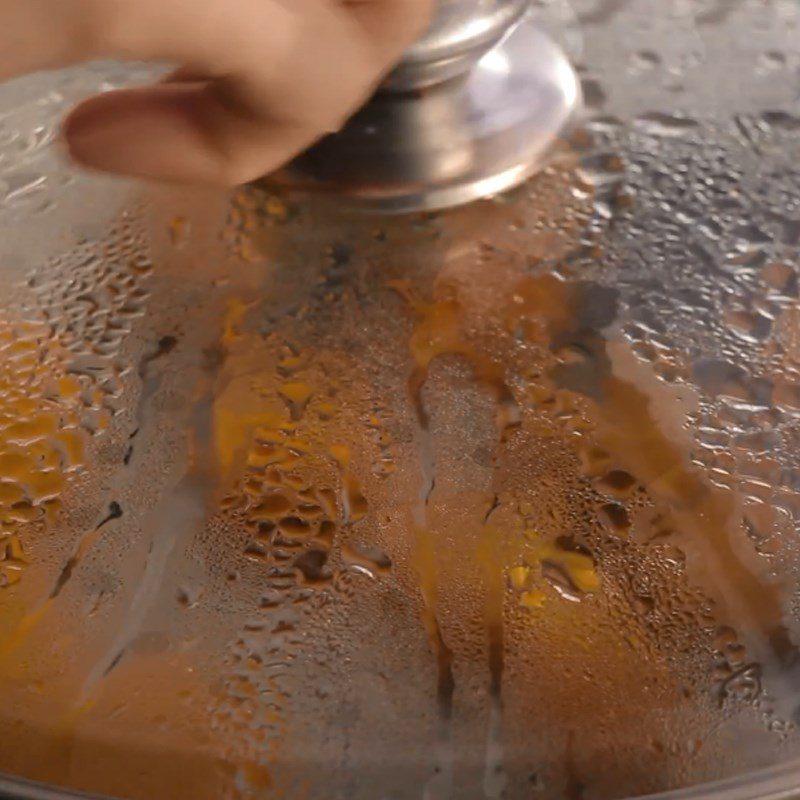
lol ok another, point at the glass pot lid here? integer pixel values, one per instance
(497, 502)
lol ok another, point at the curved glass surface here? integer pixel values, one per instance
(501, 502)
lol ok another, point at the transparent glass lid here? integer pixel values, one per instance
(501, 502)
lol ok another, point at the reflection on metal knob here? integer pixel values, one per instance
(461, 32)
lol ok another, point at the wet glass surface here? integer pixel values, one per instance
(496, 503)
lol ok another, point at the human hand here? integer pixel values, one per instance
(259, 80)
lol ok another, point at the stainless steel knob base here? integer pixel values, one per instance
(467, 138)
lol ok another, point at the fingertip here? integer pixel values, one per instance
(141, 133)
(93, 134)
(76, 135)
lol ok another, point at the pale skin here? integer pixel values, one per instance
(258, 80)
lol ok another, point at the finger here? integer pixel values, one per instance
(389, 25)
(307, 60)
(179, 132)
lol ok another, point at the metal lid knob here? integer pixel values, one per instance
(497, 95)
